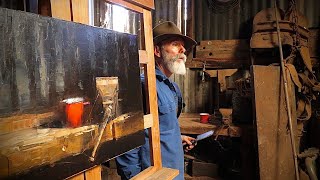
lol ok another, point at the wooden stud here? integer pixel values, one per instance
(80, 11)
(126, 5)
(77, 177)
(94, 173)
(61, 9)
(148, 121)
(154, 131)
(147, 4)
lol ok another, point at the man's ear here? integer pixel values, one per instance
(157, 51)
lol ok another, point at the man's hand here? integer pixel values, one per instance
(188, 142)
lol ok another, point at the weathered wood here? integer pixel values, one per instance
(237, 49)
(61, 142)
(123, 127)
(38, 142)
(80, 162)
(217, 63)
(61, 9)
(80, 11)
(274, 148)
(24, 121)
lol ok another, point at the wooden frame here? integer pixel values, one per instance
(156, 170)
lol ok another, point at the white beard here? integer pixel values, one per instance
(174, 66)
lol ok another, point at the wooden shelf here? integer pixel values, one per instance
(152, 173)
(190, 124)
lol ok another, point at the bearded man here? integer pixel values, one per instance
(169, 51)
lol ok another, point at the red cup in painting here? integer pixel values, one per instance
(204, 117)
(74, 112)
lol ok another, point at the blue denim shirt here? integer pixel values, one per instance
(136, 160)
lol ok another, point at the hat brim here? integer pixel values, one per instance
(188, 42)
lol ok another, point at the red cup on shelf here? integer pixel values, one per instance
(204, 117)
(74, 112)
(74, 109)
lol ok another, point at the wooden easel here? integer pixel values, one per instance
(146, 59)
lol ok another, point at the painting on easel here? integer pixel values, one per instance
(70, 96)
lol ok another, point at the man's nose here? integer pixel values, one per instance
(182, 49)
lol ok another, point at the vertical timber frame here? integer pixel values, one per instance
(146, 59)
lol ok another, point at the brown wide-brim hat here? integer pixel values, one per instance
(168, 30)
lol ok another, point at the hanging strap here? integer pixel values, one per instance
(303, 110)
(307, 76)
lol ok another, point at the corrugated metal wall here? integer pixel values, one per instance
(237, 23)
(234, 24)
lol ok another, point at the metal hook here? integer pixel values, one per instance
(202, 73)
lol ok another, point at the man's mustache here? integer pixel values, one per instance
(180, 56)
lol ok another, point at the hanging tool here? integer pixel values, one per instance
(203, 72)
(106, 119)
(286, 94)
(109, 113)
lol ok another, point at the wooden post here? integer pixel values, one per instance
(61, 9)
(80, 11)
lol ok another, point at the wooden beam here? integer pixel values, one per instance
(148, 121)
(126, 5)
(154, 131)
(123, 126)
(61, 9)
(273, 140)
(217, 63)
(80, 11)
(146, 4)
(93, 173)
(224, 49)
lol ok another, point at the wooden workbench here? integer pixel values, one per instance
(190, 124)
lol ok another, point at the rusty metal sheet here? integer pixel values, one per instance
(274, 148)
